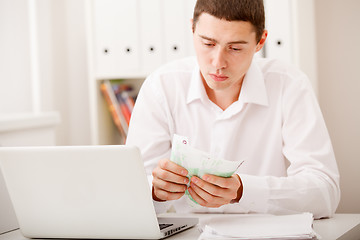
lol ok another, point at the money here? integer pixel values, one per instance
(198, 162)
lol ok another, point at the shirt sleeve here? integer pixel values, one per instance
(150, 129)
(312, 181)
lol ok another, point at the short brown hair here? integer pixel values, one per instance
(234, 10)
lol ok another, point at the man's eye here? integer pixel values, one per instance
(235, 49)
(209, 44)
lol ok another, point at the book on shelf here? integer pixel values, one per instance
(120, 104)
(123, 103)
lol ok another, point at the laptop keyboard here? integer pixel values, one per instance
(164, 225)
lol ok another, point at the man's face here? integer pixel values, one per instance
(224, 51)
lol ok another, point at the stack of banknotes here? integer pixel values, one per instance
(198, 162)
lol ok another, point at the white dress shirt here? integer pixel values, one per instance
(276, 125)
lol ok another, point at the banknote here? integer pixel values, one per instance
(198, 162)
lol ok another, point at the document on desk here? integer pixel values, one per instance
(256, 226)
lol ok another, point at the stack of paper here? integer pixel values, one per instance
(253, 226)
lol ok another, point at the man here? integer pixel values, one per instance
(235, 106)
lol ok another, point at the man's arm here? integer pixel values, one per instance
(312, 181)
(149, 127)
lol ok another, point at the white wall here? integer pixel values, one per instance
(42, 63)
(304, 39)
(15, 68)
(62, 60)
(338, 37)
(26, 107)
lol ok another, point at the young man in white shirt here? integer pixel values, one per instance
(235, 106)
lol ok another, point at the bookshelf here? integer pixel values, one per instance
(108, 133)
(128, 40)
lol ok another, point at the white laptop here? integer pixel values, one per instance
(97, 192)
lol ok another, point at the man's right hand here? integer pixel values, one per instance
(169, 181)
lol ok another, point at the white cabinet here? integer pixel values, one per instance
(176, 28)
(279, 43)
(128, 40)
(116, 38)
(151, 40)
(292, 34)
(132, 38)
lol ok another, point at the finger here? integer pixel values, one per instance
(169, 176)
(208, 187)
(205, 195)
(165, 195)
(166, 164)
(168, 186)
(222, 182)
(195, 191)
(230, 186)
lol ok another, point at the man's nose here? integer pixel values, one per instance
(219, 59)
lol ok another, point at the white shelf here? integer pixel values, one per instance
(23, 121)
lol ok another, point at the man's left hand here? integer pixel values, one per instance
(214, 191)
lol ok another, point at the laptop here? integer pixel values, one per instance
(98, 192)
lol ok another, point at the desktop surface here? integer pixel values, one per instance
(341, 226)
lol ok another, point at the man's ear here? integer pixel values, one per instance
(192, 25)
(261, 43)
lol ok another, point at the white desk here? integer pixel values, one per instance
(328, 229)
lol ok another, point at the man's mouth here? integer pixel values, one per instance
(218, 77)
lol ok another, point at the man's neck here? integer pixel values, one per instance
(223, 98)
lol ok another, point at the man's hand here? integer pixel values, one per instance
(213, 191)
(169, 182)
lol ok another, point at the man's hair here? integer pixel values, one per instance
(234, 10)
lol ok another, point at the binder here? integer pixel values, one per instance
(116, 38)
(175, 29)
(278, 23)
(151, 39)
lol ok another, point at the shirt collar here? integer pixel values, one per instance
(253, 88)
(197, 89)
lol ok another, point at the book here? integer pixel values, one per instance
(125, 109)
(118, 96)
(114, 108)
(129, 101)
(123, 94)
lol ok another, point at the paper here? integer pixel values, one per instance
(198, 162)
(253, 226)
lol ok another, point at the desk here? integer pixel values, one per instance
(328, 229)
